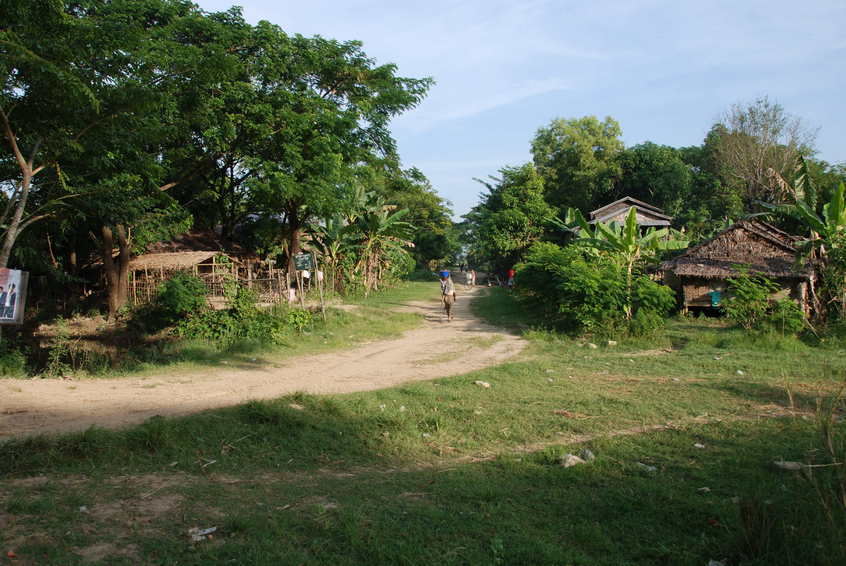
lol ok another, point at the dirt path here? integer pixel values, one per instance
(437, 349)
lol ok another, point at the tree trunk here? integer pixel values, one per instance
(116, 269)
(15, 222)
(17, 201)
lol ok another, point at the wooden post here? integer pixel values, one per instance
(319, 286)
(300, 290)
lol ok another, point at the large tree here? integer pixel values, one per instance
(512, 215)
(760, 143)
(655, 174)
(579, 160)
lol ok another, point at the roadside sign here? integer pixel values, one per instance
(303, 261)
(13, 287)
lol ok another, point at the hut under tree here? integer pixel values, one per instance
(216, 262)
(148, 271)
(756, 246)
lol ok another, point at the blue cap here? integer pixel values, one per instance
(444, 273)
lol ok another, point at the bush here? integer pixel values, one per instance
(748, 304)
(12, 361)
(579, 291)
(244, 320)
(750, 307)
(176, 298)
(180, 295)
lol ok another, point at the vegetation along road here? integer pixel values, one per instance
(439, 348)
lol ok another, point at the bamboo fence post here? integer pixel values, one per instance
(300, 289)
(319, 286)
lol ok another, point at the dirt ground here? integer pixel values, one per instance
(437, 349)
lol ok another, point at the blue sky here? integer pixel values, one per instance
(665, 70)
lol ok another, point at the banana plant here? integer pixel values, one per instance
(823, 229)
(628, 243)
(382, 233)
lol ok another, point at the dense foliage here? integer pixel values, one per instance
(125, 123)
(749, 306)
(581, 290)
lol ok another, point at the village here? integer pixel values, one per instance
(268, 297)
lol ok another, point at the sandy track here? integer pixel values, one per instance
(437, 349)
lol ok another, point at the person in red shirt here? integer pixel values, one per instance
(511, 273)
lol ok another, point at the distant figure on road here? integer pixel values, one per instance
(447, 293)
(511, 274)
(471, 278)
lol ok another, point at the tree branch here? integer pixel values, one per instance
(10, 135)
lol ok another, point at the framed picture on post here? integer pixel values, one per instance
(13, 287)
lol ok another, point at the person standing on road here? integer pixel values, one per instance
(511, 273)
(447, 293)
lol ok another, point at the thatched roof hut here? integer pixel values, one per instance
(753, 245)
(148, 271)
(647, 214)
(171, 261)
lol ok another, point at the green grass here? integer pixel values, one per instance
(446, 472)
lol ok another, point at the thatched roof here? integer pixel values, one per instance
(171, 261)
(759, 246)
(196, 241)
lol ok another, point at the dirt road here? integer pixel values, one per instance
(437, 349)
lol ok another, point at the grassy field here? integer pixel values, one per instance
(447, 472)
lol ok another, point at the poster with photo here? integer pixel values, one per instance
(12, 295)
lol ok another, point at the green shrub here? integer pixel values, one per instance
(299, 319)
(580, 291)
(244, 320)
(180, 295)
(12, 361)
(750, 307)
(748, 304)
(176, 298)
(786, 317)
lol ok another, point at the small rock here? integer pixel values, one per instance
(699, 445)
(790, 466)
(646, 467)
(592, 346)
(676, 379)
(197, 534)
(296, 406)
(426, 435)
(477, 412)
(612, 343)
(570, 460)
(484, 384)
(716, 562)
(741, 372)
(586, 455)
(402, 408)
(83, 509)
(382, 407)
(549, 379)
(254, 360)
(704, 490)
